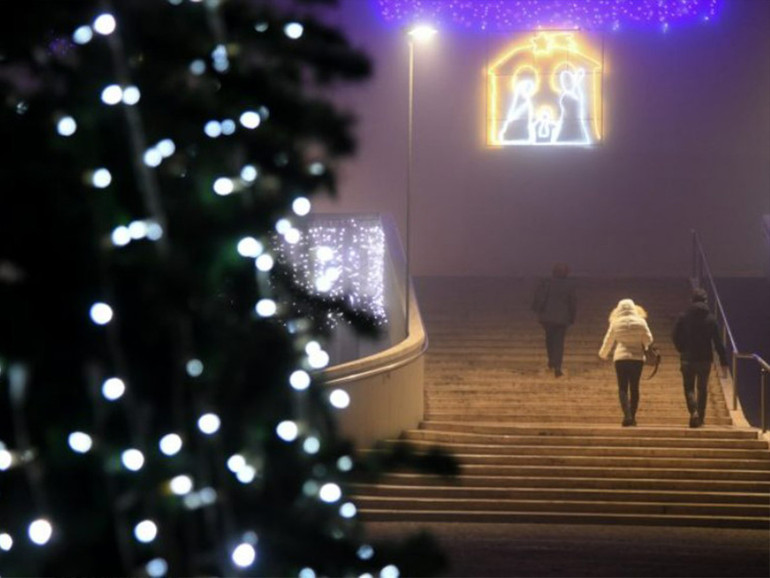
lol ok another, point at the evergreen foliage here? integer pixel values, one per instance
(158, 245)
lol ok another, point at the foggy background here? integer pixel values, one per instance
(686, 146)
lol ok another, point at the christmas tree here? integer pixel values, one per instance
(160, 412)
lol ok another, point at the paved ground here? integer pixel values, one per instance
(519, 550)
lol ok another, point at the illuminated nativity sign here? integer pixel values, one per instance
(545, 90)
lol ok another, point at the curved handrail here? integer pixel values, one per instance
(401, 354)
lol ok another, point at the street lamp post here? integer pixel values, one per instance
(419, 34)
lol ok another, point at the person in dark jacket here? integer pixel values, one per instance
(696, 336)
(556, 306)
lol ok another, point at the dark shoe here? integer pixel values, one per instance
(633, 421)
(695, 421)
(627, 421)
(557, 372)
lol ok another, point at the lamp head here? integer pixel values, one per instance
(421, 33)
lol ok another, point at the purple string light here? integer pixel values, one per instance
(505, 15)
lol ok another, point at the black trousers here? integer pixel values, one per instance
(554, 344)
(629, 372)
(695, 378)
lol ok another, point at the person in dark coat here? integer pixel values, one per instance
(556, 306)
(696, 336)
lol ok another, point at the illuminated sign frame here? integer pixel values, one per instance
(545, 90)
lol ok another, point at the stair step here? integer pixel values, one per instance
(566, 483)
(442, 438)
(459, 449)
(561, 494)
(425, 516)
(589, 432)
(761, 511)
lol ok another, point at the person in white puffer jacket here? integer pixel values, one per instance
(629, 334)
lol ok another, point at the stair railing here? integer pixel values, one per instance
(701, 275)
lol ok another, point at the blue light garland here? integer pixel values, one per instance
(506, 15)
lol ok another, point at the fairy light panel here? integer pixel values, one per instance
(545, 90)
(507, 15)
(341, 258)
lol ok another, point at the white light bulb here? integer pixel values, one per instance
(6, 542)
(137, 230)
(249, 173)
(324, 253)
(266, 308)
(317, 169)
(250, 119)
(132, 460)
(345, 464)
(101, 313)
(287, 431)
(311, 445)
(157, 567)
(120, 236)
(223, 186)
(301, 206)
(339, 398)
(82, 35)
(101, 178)
(105, 24)
(209, 423)
(293, 236)
(323, 284)
(154, 231)
(112, 94)
(194, 368)
(6, 459)
(198, 67)
(312, 347)
(152, 157)
(249, 247)
(208, 496)
(113, 388)
(283, 226)
(146, 531)
(80, 442)
(307, 573)
(318, 360)
(213, 129)
(166, 147)
(228, 126)
(131, 95)
(66, 126)
(170, 444)
(299, 380)
(40, 531)
(293, 30)
(244, 555)
(261, 26)
(235, 463)
(181, 485)
(365, 552)
(390, 571)
(348, 510)
(264, 262)
(246, 474)
(330, 493)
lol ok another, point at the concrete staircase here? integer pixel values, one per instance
(535, 448)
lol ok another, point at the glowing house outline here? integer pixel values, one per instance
(535, 83)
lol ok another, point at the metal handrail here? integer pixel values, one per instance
(699, 266)
(703, 262)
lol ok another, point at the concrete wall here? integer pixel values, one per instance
(687, 146)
